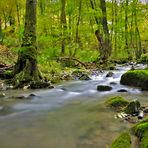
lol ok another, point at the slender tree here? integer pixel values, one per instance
(104, 39)
(63, 26)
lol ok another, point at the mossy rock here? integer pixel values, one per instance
(132, 108)
(138, 78)
(104, 88)
(123, 141)
(140, 128)
(81, 75)
(144, 140)
(116, 102)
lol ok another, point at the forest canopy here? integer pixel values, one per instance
(67, 28)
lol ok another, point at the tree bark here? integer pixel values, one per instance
(26, 69)
(126, 26)
(107, 43)
(1, 34)
(63, 26)
(77, 38)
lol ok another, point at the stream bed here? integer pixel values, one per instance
(72, 115)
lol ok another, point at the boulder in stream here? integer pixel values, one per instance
(104, 88)
(122, 90)
(80, 75)
(117, 102)
(132, 108)
(138, 78)
(110, 74)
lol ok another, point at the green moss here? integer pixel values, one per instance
(141, 131)
(144, 140)
(123, 141)
(116, 102)
(137, 78)
(140, 128)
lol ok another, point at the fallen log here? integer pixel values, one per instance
(71, 58)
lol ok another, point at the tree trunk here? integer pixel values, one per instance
(63, 26)
(18, 14)
(77, 39)
(107, 44)
(26, 69)
(1, 34)
(126, 26)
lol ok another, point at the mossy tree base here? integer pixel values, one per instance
(26, 72)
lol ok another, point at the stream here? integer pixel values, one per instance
(72, 115)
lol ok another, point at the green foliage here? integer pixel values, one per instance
(144, 140)
(50, 36)
(116, 102)
(123, 141)
(88, 55)
(144, 58)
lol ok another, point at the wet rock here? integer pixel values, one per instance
(141, 115)
(145, 110)
(32, 96)
(104, 88)
(2, 86)
(113, 83)
(2, 95)
(122, 90)
(66, 77)
(80, 75)
(19, 97)
(84, 77)
(40, 84)
(132, 108)
(110, 74)
(1, 108)
(131, 119)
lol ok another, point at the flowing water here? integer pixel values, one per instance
(71, 115)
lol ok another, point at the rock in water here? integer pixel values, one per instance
(40, 84)
(2, 95)
(104, 88)
(141, 115)
(110, 74)
(132, 108)
(122, 90)
(80, 75)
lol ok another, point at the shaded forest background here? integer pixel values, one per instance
(67, 28)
